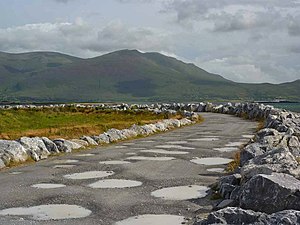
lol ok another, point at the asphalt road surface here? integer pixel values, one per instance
(148, 165)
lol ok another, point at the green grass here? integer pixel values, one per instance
(68, 122)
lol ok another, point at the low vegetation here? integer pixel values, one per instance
(235, 163)
(69, 122)
(260, 124)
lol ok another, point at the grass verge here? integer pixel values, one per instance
(69, 122)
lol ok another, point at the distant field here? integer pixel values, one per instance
(67, 122)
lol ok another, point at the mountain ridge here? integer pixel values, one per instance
(125, 75)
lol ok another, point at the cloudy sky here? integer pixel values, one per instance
(243, 40)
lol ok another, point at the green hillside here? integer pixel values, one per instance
(126, 75)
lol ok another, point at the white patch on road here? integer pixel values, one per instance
(181, 192)
(176, 142)
(114, 162)
(66, 161)
(15, 173)
(212, 138)
(174, 146)
(248, 136)
(115, 183)
(120, 146)
(147, 141)
(226, 149)
(150, 219)
(234, 144)
(89, 175)
(151, 158)
(131, 153)
(49, 212)
(128, 144)
(217, 170)
(48, 186)
(85, 155)
(161, 151)
(64, 166)
(211, 161)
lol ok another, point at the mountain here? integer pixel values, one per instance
(126, 75)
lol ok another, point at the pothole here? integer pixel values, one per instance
(151, 158)
(64, 166)
(226, 149)
(48, 186)
(115, 183)
(85, 155)
(181, 192)
(177, 142)
(89, 175)
(114, 162)
(161, 151)
(216, 170)
(174, 146)
(151, 219)
(211, 161)
(49, 212)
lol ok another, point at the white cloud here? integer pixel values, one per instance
(81, 39)
(244, 40)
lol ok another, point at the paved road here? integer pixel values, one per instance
(109, 205)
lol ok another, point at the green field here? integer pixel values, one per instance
(68, 122)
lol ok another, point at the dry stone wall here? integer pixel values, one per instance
(38, 148)
(265, 189)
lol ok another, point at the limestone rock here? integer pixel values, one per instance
(287, 217)
(148, 129)
(251, 151)
(201, 107)
(225, 203)
(89, 140)
(233, 179)
(294, 146)
(80, 142)
(127, 133)
(50, 145)
(227, 184)
(278, 160)
(172, 123)
(103, 139)
(238, 216)
(232, 216)
(35, 147)
(11, 151)
(271, 193)
(66, 145)
(160, 126)
(143, 130)
(2, 164)
(115, 135)
(185, 121)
